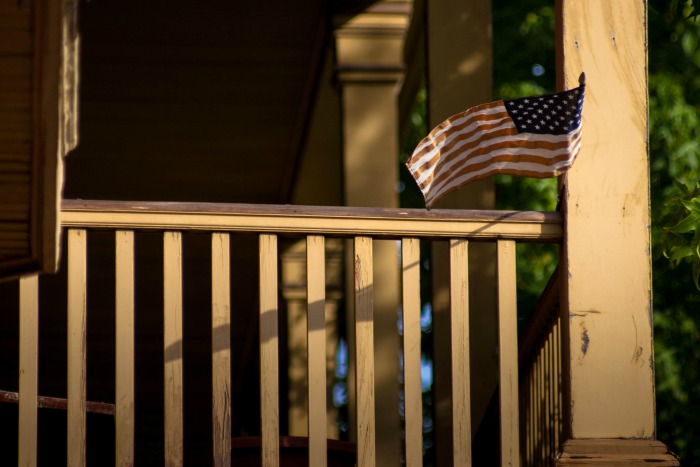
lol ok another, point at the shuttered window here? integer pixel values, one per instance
(38, 127)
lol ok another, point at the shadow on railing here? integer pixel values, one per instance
(539, 360)
(169, 279)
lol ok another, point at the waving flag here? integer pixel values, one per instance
(536, 136)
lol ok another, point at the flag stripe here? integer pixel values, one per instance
(517, 145)
(537, 136)
(514, 169)
(460, 120)
(480, 122)
(469, 136)
(520, 166)
(479, 144)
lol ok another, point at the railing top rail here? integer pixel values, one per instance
(529, 226)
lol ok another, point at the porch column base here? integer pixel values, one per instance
(616, 452)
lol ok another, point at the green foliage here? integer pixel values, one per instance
(677, 352)
(410, 195)
(524, 64)
(523, 40)
(681, 240)
(674, 141)
(680, 9)
(674, 104)
(674, 133)
(529, 71)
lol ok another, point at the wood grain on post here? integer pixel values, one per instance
(221, 348)
(124, 348)
(413, 400)
(77, 317)
(508, 354)
(364, 352)
(28, 369)
(606, 263)
(459, 325)
(269, 341)
(172, 342)
(316, 332)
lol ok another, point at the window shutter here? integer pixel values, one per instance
(38, 127)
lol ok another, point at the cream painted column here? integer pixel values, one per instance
(319, 178)
(294, 284)
(459, 76)
(606, 271)
(294, 293)
(318, 183)
(369, 48)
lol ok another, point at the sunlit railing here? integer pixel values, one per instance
(362, 225)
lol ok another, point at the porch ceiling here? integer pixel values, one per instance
(195, 101)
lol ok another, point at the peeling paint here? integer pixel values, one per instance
(638, 349)
(637, 354)
(585, 340)
(582, 314)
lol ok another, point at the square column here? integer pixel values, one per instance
(606, 267)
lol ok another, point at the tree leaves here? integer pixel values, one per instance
(674, 142)
(681, 240)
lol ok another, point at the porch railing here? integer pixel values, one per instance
(362, 225)
(541, 382)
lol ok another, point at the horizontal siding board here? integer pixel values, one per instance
(14, 167)
(15, 41)
(15, 101)
(17, 252)
(16, 67)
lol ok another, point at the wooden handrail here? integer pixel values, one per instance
(78, 217)
(527, 226)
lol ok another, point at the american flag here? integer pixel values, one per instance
(537, 136)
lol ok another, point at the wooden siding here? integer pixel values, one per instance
(17, 106)
(38, 126)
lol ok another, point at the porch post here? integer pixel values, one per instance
(294, 284)
(458, 41)
(369, 48)
(606, 274)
